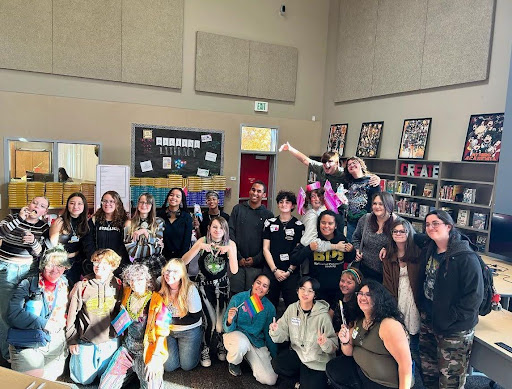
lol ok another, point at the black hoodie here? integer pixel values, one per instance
(458, 288)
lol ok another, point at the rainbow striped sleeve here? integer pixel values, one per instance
(253, 305)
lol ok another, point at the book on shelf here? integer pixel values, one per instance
(449, 211)
(463, 217)
(481, 242)
(429, 189)
(414, 211)
(404, 187)
(407, 207)
(382, 185)
(418, 227)
(390, 186)
(479, 220)
(424, 209)
(452, 192)
(469, 195)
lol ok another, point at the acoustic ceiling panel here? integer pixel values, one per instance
(26, 35)
(272, 71)
(457, 42)
(399, 46)
(152, 42)
(87, 38)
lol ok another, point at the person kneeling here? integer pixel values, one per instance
(246, 335)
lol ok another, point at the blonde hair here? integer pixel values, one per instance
(180, 302)
(108, 255)
(57, 255)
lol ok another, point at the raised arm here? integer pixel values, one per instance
(296, 153)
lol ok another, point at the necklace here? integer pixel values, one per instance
(135, 305)
(144, 223)
(212, 216)
(367, 323)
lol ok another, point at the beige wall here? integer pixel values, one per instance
(449, 107)
(35, 116)
(35, 105)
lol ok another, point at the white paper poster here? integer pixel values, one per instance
(202, 172)
(167, 163)
(212, 157)
(146, 166)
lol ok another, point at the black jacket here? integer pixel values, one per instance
(458, 288)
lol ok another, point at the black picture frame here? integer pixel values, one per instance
(369, 139)
(415, 133)
(483, 139)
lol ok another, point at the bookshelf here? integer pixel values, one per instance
(465, 189)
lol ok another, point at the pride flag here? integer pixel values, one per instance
(163, 317)
(122, 321)
(253, 305)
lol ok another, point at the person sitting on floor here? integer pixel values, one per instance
(246, 334)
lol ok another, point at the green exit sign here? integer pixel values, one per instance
(261, 106)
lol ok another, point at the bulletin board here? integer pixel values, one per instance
(158, 151)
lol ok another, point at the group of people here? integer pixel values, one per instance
(360, 310)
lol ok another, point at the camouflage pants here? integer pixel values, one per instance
(444, 359)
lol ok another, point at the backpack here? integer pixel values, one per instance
(490, 296)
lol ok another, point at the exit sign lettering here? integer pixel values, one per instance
(261, 106)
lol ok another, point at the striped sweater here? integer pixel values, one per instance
(12, 230)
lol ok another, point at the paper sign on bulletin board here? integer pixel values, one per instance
(159, 150)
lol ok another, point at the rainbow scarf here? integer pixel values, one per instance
(163, 317)
(253, 305)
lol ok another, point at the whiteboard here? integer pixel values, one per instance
(113, 177)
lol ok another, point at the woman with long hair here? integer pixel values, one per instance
(179, 295)
(69, 229)
(133, 356)
(350, 282)
(378, 342)
(39, 304)
(178, 224)
(401, 273)
(106, 229)
(359, 192)
(373, 233)
(452, 290)
(143, 236)
(217, 258)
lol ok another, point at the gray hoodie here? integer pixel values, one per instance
(302, 330)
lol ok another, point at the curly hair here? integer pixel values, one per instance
(119, 217)
(82, 227)
(364, 169)
(286, 195)
(383, 303)
(136, 271)
(108, 255)
(319, 192)
(56, 255)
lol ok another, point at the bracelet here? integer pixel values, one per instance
(345, 344)
(289, 270)
(275, 269)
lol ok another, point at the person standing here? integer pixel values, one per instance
(280, 236)
(452, 293)
(22, 245)
(212, 200)
(246, 230)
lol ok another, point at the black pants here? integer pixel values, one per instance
(288, 288)
(290, 368)
(343, 373)
(370, 273)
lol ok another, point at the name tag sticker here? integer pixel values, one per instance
(295, 321)
(289, 232)
(274, 228)
(284, 257)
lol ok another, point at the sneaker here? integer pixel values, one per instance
(297, 385)
(205, 357)
(235, 370)
(221, 351)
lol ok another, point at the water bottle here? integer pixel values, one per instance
(35, 304)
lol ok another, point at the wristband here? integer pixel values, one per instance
(289, 270)
(345, 344)
(275, 269)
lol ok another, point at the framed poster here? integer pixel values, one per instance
(414, 138)
(337, 137)
(483, 140)
(369, 139)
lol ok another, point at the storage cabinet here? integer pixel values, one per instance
(465, 189)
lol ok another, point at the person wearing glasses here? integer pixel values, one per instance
(306, 324)
(401, 273)
(180, 297)
(69, 230)
(451, 286)
(373, 233)
(39, 303)
(22, 245)
(377, 342)
(143, 236)
(178, 224)
(107, 230)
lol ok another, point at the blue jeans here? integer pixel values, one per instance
(351, 227)
(92, 361)
(11, 274)
(184, 348)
